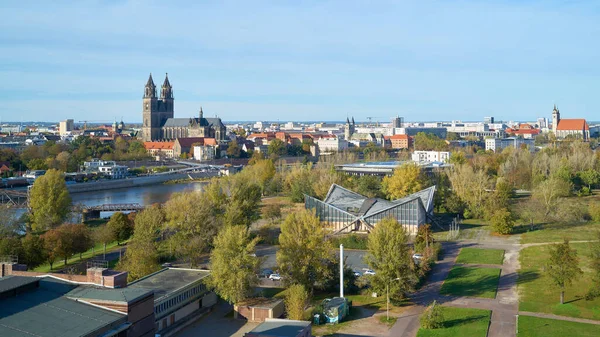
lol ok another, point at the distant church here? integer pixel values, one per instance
(575, 127)
(159, 123)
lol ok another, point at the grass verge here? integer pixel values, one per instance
(480, 256)
(460, 322)
(537, 292)
(97, 251)
(472, 282)
(535, 326)
(556, 232)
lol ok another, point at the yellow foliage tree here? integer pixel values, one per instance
(407, 179)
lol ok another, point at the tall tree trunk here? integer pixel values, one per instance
(65, 261)
(562, 297)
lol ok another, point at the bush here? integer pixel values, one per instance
(296, 299)
(272, 212)
(594, 210)
(502, 221)
(432, 318)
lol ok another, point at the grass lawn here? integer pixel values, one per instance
(556, 232)
(472, 282)
(534, 326)
(537, 293)
(59, 263)
(470, 229)
(460, 322)
(480, 256)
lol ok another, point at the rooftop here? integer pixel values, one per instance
(46, 312)
(578, 124)
(168, 280)
(280, 328)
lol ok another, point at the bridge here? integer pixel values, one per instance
(93, 212)
(14, 198)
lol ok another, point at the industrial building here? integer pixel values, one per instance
(344, 211)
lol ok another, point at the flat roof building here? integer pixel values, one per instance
(273, 327)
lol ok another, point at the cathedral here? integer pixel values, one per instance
(159, 122)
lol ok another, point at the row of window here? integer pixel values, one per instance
(192, 292)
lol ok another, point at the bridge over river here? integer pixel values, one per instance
(93, 212)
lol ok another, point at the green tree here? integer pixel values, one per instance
(589, 177)
(502, 221)
(81, 237)
(595, 266)
(433, 317)
(272, 212)
(424, 238)
(277, 148)
(407, 179)
(33, 250)
(140, 259)
(194, 221)
(49, 200)
(149, 223)
(296, 300)
(429, 142)
(120, 226)
(389, 256)
(563, 266)
(234, 266)
(549, 192)
(104, 235)
(233, 149)
(243, 203)
(303, 250)
(59, 242)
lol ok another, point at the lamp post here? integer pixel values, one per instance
(387, 290)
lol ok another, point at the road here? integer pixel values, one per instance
(354, 258)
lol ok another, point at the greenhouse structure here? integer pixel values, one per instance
(344, 211)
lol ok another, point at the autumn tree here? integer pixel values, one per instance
(549, 192)
(242, 207)
(502, 221)
(471, 187)
(595, 266)
(272, 212)
(193, 221)
(234, 266)
(233, 149)
(296, 300)
(407, 179)
(304, 251)
(389, 256)
(276, 148)
(49, 200)
(104, 235)
(66, 240)
(120, 227)
(563, 266)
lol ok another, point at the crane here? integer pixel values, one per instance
(371, 119)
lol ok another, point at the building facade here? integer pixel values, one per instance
(431, 156)
(499, 144)
(159, 122)
(562, 127)
(65, 127)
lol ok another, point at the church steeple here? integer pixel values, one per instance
(166, 89)
(201, 113)
(150, 89)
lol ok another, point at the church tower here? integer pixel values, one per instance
(555, 119)
(349, 128)
(150, 118)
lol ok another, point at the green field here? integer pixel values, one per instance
(534, 327)
(460, 322)
(97, 251)
(471, 282)
(480, 256)
(556, 232)
(537, 293)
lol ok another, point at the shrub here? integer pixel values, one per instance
(594, 210)
(502, 221)
(296, 298)
(432, 318)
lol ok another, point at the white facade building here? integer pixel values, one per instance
(204, 153)
(332, 144)
(114, 171)
(431, 156)
(498, 144)
(95, 164)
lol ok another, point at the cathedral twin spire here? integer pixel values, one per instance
(166, 89)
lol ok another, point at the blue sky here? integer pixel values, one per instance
(301, 60)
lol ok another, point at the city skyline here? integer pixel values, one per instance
(427, 60)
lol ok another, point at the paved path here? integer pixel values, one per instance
(562, 318)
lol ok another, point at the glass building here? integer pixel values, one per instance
(344, 211)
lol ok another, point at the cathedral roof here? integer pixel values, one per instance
(150, 82)
(578, 124)
(166, 82)
(184, 122)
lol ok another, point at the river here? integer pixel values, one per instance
(144, 195)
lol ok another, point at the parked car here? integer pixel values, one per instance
(266, 272)
(369, 272)
(275, 277)
(357, 273)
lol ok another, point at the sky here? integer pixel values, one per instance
(301, 60)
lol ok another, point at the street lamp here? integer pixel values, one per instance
(387, 290)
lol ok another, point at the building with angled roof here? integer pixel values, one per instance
(159, 122)
(563, 127)
(345, 211)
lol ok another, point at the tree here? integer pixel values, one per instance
(234, 266)
(389, 256)
(120, 227)
(303, 250)
(148, 223)
(49, 200)
(82, 238)
(429, 142)
(272, 212)
(59, 243)
(424, 238)
(549, 192)
(296, 299)
(242, 207)
(193, 221)
(140, 259)
(104, 235)
(563, 266)
(298, 182)
(595, 266)
(502, 221)
(277, 148)
(33, 250)
(407, 179)
(233, 149)
(590, 177)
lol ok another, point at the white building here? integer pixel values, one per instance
(332, 144)
(498, 144)
(95, 164)
(114, 171)
(431, 156)
(204, 153)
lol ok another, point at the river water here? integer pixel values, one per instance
(144, 195)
